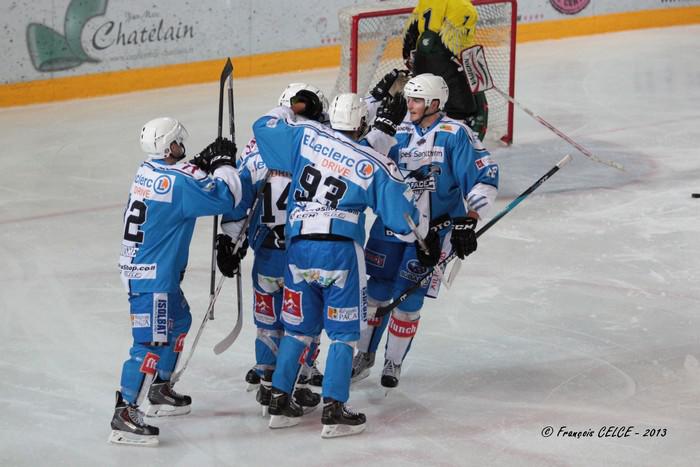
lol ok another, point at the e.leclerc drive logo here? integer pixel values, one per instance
(51, 51)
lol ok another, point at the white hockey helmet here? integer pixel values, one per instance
(348, 113)
(293, 88)
(157, 134)
(428, 87)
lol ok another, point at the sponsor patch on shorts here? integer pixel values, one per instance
(343, 314)
(141, 320)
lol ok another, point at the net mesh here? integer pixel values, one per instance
(380, 27)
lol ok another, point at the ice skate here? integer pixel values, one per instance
(284, 412)
(306, 399)
(264, 393)
(361, 365)
(339, 420)
(128, 426)
(253, 380)
(165, 402)
(390, 376)
(315, 376)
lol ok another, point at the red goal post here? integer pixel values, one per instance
(372, 39)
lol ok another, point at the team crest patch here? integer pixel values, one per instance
(343, 314)
(264, 308)
(292, 312)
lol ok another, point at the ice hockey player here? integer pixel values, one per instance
(167, 195)
(455, 181)
(266, 235)
(436, 32)
(333, 180)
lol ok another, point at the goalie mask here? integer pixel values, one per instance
(428, 87)
(293, 88)
(158, 134)
(348, 113)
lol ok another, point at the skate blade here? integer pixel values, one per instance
(360, 376)
(309, 408)
(264, 411)
(167, 410)
(252, 387)
(336, 431)
(387, 391)
(131, 439)
(281, 421)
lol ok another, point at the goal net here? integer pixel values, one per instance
(372, 40)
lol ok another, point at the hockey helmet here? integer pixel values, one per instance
(348, 113)
(428, 87)
(293, 88)
(159, 133)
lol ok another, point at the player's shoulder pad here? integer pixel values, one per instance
(184, 169)
(460, 128)
(450, 125)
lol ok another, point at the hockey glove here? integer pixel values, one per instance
(381, 89)
(221, 152)
(229, 262)
(390, 114)
(313, 108)
(430, 258)
(463, 236)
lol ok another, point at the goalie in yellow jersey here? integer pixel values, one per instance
(436, 32)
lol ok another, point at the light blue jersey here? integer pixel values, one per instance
(266, 227)
(448, 169)
(164, 202)
(334, 179)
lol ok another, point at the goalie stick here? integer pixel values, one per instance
(473, 63)
(384, 310)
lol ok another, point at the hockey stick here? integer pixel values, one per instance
(227, 341)
(383, 310)
(239, 285)
(233, 335)
(177, 374)
(473, 62)
(225, 74)
(213, 289)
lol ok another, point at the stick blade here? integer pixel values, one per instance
(226, 72)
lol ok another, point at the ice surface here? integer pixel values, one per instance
(580, 308)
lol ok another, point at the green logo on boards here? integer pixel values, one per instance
(51, 51)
